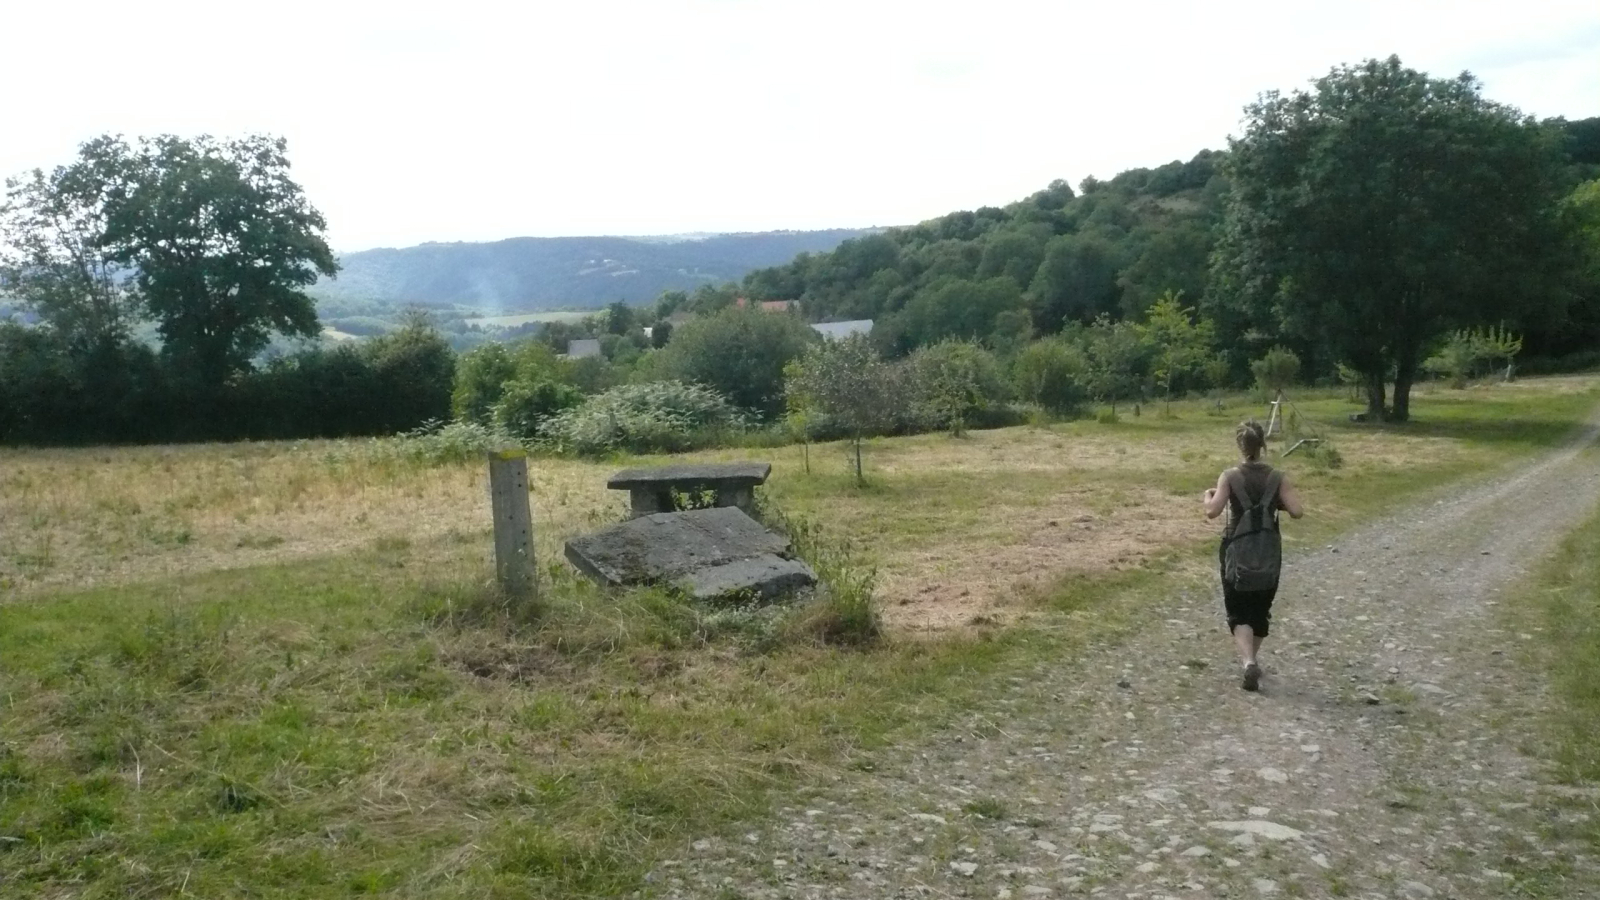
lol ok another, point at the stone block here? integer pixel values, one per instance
(662, 547)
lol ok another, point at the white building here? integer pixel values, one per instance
(833, 331)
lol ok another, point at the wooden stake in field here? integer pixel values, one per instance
(513, 524)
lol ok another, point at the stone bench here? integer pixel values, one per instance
(652, 490)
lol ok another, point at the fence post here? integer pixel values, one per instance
(513, 524)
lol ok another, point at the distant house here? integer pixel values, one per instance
(766, 305)
(833, 331)
(582, 348)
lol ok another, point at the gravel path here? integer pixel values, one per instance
(1381, 758)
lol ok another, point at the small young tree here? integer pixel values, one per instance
(1180, 344)
(1115, 351)
(1496, 344)
(798, 414)
(848, 383)
(1455, 359)
(1275, 373)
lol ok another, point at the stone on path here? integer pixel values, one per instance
(1266, 887)
(1197, 851)
(1272, 831)
(1276, 776)
(966, 869)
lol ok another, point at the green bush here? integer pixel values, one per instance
(483, 375)
(1276, 371)
(436, 443)
(1052, 373)
(954, 383)
(740, 353)
(523, 408)
(666, 416)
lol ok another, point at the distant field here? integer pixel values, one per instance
(526, 318)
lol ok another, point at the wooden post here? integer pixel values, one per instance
(1274, 423)
(513, 523)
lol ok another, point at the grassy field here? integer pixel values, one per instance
(515, 319)
(275, 670)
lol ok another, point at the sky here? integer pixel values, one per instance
(471, 120)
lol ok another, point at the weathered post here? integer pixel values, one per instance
(513, 524)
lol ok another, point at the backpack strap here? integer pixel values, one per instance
(1274, 484)
(1236, 488)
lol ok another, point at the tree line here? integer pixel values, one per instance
(1373, 227)
(1356, 222)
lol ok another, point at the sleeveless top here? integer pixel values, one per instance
(1255, 484)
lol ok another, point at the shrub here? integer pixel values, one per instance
(1454, 360)
(740, 353)
(954, 382)
(1324, 455)
(436, 443)
(666, 416)
(1277, 371)
(484, 374)
(1053, 374)
(523, 407)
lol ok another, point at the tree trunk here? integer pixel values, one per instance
(1375, 394)
(1405, 374)
(860, 479)
(806, 450)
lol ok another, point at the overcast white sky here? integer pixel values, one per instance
(470, 120)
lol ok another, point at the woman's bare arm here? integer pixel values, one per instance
(1215, 499)
(1289, 499)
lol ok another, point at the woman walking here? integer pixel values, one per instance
(1252, 493)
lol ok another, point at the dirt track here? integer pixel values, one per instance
(1381, 759)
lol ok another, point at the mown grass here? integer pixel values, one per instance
(369, 720)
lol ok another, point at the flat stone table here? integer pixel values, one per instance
(651, 490)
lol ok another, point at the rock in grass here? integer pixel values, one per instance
(1272, 831)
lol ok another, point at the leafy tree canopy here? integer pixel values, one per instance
(222, 241)
(1383, 206)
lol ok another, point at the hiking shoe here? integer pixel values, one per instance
(1252, 677)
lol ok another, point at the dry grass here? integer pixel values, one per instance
(961, 530)
(78, 518)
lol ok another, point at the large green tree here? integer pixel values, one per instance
(221, 240)
(54, 258)
(1382, 207)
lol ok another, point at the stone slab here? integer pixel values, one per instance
(757, 578)
(743, 474)
(665, 546)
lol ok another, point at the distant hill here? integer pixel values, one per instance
(531, 274)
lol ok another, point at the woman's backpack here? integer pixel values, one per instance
(1252, 553)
